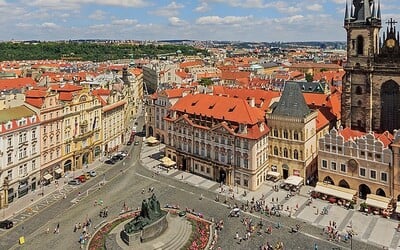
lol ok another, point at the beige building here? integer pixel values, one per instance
(19, 153)
(82, 126)
(221, 138)
(357, 160)
(47, 104)
(294, 132)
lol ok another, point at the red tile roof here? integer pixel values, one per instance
(175, 93)
(322, 120)
(386, 138)
(219, 107)
(66, 88)
(349, 133)
(16, 83)
(189, 64)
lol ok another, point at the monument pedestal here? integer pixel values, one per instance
(149, 232)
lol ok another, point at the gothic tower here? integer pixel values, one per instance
(362, 23)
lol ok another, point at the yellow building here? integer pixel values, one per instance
(82, 126)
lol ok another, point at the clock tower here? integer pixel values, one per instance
(370, 93)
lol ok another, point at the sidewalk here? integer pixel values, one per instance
(34, 197)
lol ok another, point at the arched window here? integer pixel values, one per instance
(360, 45)
(285, 153)
(275, 150)
(358, 90)
(296, 154)
(296, 135)
(285, 134)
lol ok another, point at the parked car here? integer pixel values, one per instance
(81, 178)
(110, 161)
(117, 157)
(74, 182)
(123, 153)
(129, 143)
(6, 224)
(136, 143)
(92, 173)
(87, 176)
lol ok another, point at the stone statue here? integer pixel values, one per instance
(150, 212)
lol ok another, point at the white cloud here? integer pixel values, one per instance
(49, 25)
(227, 20)
(98, 15)
(74, 4)
(243, 3)
(124, 22)
(203, 7)
(176, 21)
(171, 9)
(315, 7)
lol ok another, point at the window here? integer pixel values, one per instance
(362, 172)
(275, 150)
(296, 154)
(275, 132)
(372, 174)
(246, 144)
(285, 134)
(384, 176)
(33, 164)
(9, 175)
(202, 168)
(360, 45)
(378, 156)
(296, 135)
(21, 170)
(343, 168)
(246, 163)
(33, 134)
(9, 141)
(358, 90)
(324, 164)
(333, 165)
(285, 153)
(9, 158)
(362, 153)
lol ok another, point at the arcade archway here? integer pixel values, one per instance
(363, 190)
(329, 180)
(380, 192)
(344, 183)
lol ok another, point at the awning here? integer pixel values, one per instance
(397, 207)
(336, 191)
(167, 162)
(58, 171)
(378, 201)
(294, 180)
(274, 174)
(151, 140)
(48, 177)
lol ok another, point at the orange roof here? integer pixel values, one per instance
(36, 102)
(329, 76)
(66, 96)
(35, 93)
(136, 71)
(316, 65)
(182, 74)
(386, 138)
(219, 107)
(101, 92)
(349, 133)
(66, 88)
(114, 105)
(233, 75)
(175, 93)
(189, 64)
(322, 121)
(16, 83)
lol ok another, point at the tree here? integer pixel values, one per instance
(309, 77)
(206, 81)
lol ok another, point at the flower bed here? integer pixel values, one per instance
(201, 233)
(98, 239)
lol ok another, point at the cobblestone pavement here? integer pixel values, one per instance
(124, 184)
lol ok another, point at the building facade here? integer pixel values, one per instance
(293, 138)
(371, 93)
(357, 160)
(221, 138)
(19, 153)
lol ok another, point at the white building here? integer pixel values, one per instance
(19, 153)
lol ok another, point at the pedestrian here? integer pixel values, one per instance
(47, 230)
(237, 235)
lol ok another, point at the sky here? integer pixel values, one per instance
(234, 20)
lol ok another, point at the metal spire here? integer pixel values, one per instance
(378, 14)
(373, 9)
(346, 12)
(367, 10)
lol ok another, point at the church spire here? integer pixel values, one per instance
(346, 13)
(378, 14)
(373, 9)
(367, 10)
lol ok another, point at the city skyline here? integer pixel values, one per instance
(160, 20)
